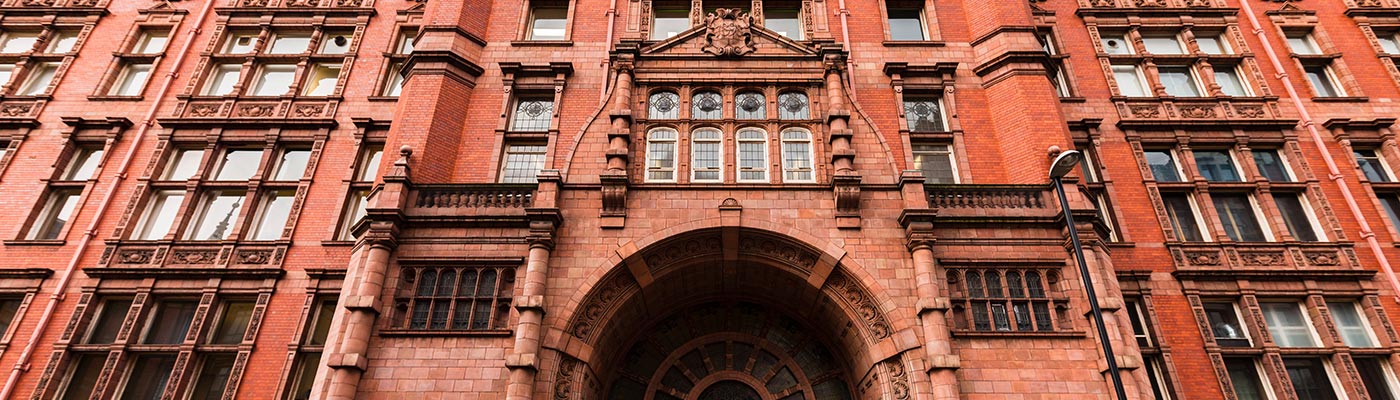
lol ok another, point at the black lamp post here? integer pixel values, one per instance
(1063, 164)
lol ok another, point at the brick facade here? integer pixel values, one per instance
(802, 199)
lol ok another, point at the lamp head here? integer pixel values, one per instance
(1064, 163)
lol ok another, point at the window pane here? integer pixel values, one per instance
(1211, 44)
(1271, 165)
(532, 114)
(218, 212)
(706, 105)
(1302, 43)
(239, 165)
(1229, 81)
(39, 78)
(664, 105)
(1295, 215)
(151, 42)
(276, 208)
(1116, 44)
(784, 21)
(1183, 217)
(274, 80)
(661, 155)
(1236, 213)
(222, 80)
(1350, 324)
(84, 370)
(57, 214)
(6, 70)
(1392, 208)
(160, 216)
(548, 23)
(669, 22)
(1287, 324)
(85, 162)
(322, 80)
(18, 42)
(523, 163)
(1390, 42)
(290, 43)
(109, 321)
(213, 377)
(233, 323)
(1136, 318)
(1309, 379)
(394, 82)
(706, 155)
(906, 24)
(132, 80)
(355, 209)
(1322, 81)
(793, 105)
(1245, 379)
(148, 377)
(1162, 44)
(1371, 165)
(1179, 81)
(1163, 165)
(321, 325)
(1375, 377)
(1224, 322)
(171, 322)
(8, 308)
(935, 162)
(797, 156)
(305, 376)
(369, 166)
(753, 155)
(1154, 374)
(336, 42)
(750, 106)
(1216, 166)
(292, 165)
(923, 114)
(405, 42)
(240, 43)
(62, 42)
(1129, 82)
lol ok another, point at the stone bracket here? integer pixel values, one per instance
(526, 303)
(943, 361)
(363, 303)
(348, 361)
(940, 304)
(614, 186)
(522, 361)
(847, 190)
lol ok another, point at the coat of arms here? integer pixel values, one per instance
(728, 32)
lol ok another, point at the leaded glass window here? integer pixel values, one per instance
(753, 155)
(661, 155)
(707, 154)
(923, 114)
(793, 105)
(995, 300)
(523, 163)
(664, 105)
(532, 114)
(706, 105)
(797, 155)
(750, 105)
(456, 298)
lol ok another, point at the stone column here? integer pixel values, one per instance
(523, 361)
(940, 362)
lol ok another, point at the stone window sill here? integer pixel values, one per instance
(30, 242)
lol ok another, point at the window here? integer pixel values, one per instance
(62, 42)
(272, 215)
(1351, 325)
(289, 43)
(240, 43)
(6, 71)
(1389, 41)
(394, 86)
(1179, 81)
(661, 155)
(1310, 379)
(1372, 165)
(1302, 43)
(149, 374)
(356, 203)
(160, 215)
(1237, 213)
(1162, 44)
(936, 162)
(664, 105)
(1217, 165)
(131, 80)
(355, 209)
(218, 211)
(1245, 379)
(336, 42)
(1230, 83)
(1225, 324)
(1287, 324)
(753, 155)
(1157, 376)
(369, 163)
(1116, 44)
(670, 19)
(1272, 165)
(1182, 212)
(151, 41)
(1297, 216)
(532, 114)
(523, 163)
(706, 155)
(1391, 203)
(750, 105)
(8, 308)
(797, 155)
(793, 106)
(1163, 165)
(1214, 44)
(1138, 319)
(170, 322)
(58, 212)
(292, 165)
(784, 21)
(1010, 300)
(1130, 82)
(85, 370)
(232, 322)
(213, 377)
(183, 165)
(274, 80)
(906, 24)
(1376, 377)
(1056, 66)
(238, 165)
(548, 22)
(322, 80)
(109, 321)
(39, 78)
(84, 163)
(456, 298)
(1151, 355)
(222, 80)
(16, 42)
(1322, 83)
(402, 46)
(924, 114)
(706, 105)
(313, 340)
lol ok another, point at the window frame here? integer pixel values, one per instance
(718, 141)
(650, 143)
(809, 150)
(1307, 323)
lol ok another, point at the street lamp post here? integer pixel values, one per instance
(1063, 164)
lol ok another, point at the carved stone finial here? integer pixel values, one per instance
(729, 33)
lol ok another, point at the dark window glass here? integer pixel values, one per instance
(923, 114)
(1217, 166)
(1183, 217)
(1374, 376)
(213, 377)
(1271, 165)
(321, 323)
(148, 377)
(1163, 165)
(906, 24)
(8, 308)
(1392, 207)
(1156, 377)
(1371, 165)
(305, 377)
(1136, 317)
(1237, 215)
(109, 321)
(1245, 379)
(458, 299)
(1225, 325)
(171, 322)
(84, 373)
(1309, 379)
(233, 323)
(1295, 216)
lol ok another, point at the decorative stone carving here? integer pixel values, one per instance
(589, 314)
(193, 256)
(868, 310)
(16, 110)
(254, 256)
(676, 251)
(899, 379)
(1250, 111)
(1196, 111)
(204, 110)
(770, 248)
(308, 110)
(1145, 111)
(1322, 258)
(1208, 258)
(1261, 258)
(564, 380)
(256, 110)
(134, 256)
(1151, 3)
(728, 32)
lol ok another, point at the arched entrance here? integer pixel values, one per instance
(730, 313)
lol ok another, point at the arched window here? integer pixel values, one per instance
(753, 155)
(793, 105)
(797, 155)
(664, 105)
(750, 105)
(706, 155)
(661, 155)
(706, 105)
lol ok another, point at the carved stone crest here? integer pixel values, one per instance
(728, 32)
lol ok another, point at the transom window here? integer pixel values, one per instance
(924, 114)
(750, 105)
(533, 113)
(706, 105)
(664, 105)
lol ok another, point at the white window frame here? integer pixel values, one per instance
(1141, 79)
(811, 155)
(142, 230)
(1234, 164)
(1176, 37)
(1307, 324)
(1308, 39)
(1191, 74)
(1222, 39)
(272, 42)
(1244, 83)
(1331, 80)
(1239, 319)
(719, 168)
(1365, 324)
(216, 76)
(1127, 44)
(740, 169)
(651, 141)
(231, 42)
(1380, 158)
(1263, 220)
(1200, 225)
(1176, 164)
(265, 201)
(1394, 40)
(1263, 377)
(1313, 221)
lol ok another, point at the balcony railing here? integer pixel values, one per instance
(987, 196)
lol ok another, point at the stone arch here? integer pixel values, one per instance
(704, 262)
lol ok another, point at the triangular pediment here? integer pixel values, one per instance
(765, 43)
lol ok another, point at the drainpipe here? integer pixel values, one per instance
(1332, 172)
(21, 365)
(850, 58)
(607, 59)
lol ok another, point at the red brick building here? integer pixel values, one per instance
(713, 199)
